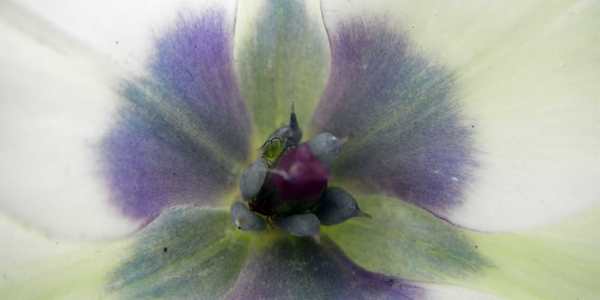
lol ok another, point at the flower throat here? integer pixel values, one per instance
(288, 184)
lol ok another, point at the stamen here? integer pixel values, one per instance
(304, 225)
(296, 132)
(338, 206)
(326, 147)
(253, 178)
(244, 219)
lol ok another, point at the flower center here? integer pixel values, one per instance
(288, 185)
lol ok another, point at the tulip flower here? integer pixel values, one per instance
(300, 150)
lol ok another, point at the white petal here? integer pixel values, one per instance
(536, 112)
(58, 100)
(56, 104)
(455, 32)
(554, 262)
(122, 30)
(527, 78)
(24, 247)
(451, 292)
(35, 266)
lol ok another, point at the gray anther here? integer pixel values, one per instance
(304, 225)
(244, 219)
(337, 206)
(326, 147)
(253, 178)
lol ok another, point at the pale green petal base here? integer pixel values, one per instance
(405, 241)
(282, 57)
(81, 274)
(191, 252)
(557, 262)
(186, 253)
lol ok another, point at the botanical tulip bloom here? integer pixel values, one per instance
(292, 150)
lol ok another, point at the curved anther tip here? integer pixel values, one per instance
(363, 215)
(317, 238)
(348, 137)
(344, 140)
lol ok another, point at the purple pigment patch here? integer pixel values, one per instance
(403, 110)
(293, 268)
(185, 127)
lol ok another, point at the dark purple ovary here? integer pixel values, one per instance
(296, 185)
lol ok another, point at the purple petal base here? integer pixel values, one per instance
(409, 141)
(293, 268)
(185, 128)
